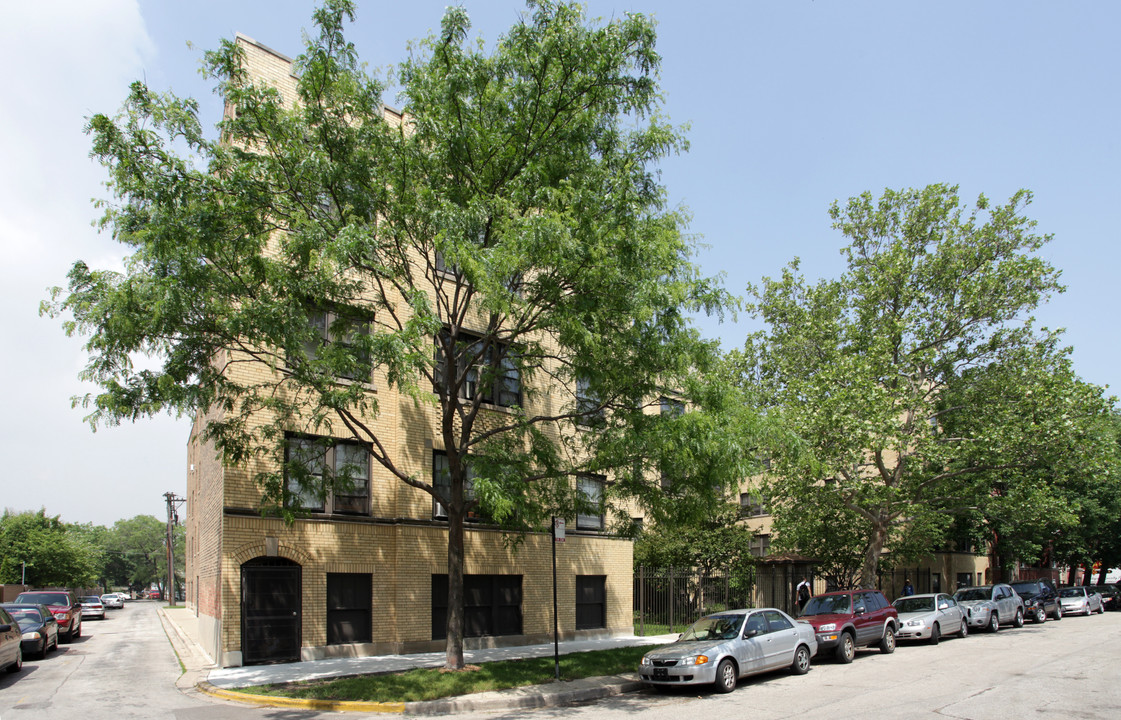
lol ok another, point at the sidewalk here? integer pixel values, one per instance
(202, 674)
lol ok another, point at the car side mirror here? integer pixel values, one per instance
(5, 628)
(859, 610)
(750, 633)
(680, 635)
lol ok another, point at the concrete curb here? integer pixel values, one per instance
(532, 696)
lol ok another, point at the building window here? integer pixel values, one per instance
(591, 492)
(761, 545)
(349, 605)
(753, 504)
(442, 481)
(671, 406)
(591, 602)
(324, 475)
(589, 412)
(488, 370)
(341, 328)
(492, 605)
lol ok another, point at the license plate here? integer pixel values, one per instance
(660, 673)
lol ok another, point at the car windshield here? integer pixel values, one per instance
(1027, 588)
(715, 627)
(25, 615)
(92, 600)
(1072, 592)
(828, 605)
(914, 604)
(973, 594)
(44, 598)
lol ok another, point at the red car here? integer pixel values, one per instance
(848, 619)
(63, 605)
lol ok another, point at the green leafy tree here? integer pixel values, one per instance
(509, 235)
(1059, 486)
(856, 367)
(55, 554)
(139, 545)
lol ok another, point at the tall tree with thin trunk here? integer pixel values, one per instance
(856, 367)
(502, 257)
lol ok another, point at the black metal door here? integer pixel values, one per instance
(270, 611)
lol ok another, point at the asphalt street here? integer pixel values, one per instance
(125, 667)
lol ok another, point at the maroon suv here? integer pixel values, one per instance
(848, 619)
(63, 605)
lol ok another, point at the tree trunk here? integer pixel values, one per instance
(872, 556)
(454, 649)
(1071, 572)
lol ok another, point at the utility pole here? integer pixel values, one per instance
(173, 503)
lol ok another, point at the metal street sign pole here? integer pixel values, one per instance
(556, 634)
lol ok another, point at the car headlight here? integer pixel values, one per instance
(915, 623)
(647, 661)
(695, 660)
(827, 627)
(31, 635)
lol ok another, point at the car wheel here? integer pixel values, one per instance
(846, 651)
(1058, 612)
(801, 664)
(18, 664)
(77, 632)
(1019, 621)
(43, 648)
(725, 676)
(935, 634)
(964, 628)
(1040, 616)
(887, 645)
(994, 622)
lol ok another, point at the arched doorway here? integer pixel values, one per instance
(270, 611)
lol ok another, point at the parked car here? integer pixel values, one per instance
(11, 643)
(1078, 600)
(848, 619)
(38, 627)
(1041, 600)
(1111, 596)
(929, 617)
(721, 648)
(92, 607)
(64, 606)
(112, 601)
(989, 606)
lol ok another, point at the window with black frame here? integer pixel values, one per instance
(488, 370)
(340, 327)
(591, 492)
(349, 608)
(591, 602)
(325, 475)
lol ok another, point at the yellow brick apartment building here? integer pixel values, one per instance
(365, 573)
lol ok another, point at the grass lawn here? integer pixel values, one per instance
(431, 684)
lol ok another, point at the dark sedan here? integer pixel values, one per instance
(38, 625)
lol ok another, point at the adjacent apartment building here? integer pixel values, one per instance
(365, 572)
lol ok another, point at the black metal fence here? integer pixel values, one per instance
(667, 600)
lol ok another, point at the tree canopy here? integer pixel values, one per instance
(899, 378)
(51, 553)
(506, 242)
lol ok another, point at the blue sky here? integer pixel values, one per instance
(791, 105)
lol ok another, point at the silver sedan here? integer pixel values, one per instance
(1079, 600)
(929, 617)
(721, 648)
